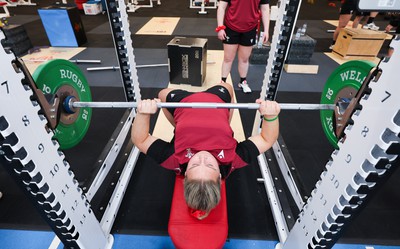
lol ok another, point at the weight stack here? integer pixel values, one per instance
(16, 39)
(260, 55)
(301, 50)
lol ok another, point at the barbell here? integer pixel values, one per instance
(67, 81)
(70, 104)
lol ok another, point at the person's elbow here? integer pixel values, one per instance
(269, 141)
(264, 143)
(139, 142)
(143, 143)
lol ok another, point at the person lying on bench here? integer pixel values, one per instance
(203, 148)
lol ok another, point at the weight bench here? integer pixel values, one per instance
(187, 232)
(6, 12)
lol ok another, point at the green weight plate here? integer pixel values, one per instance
(65, 78)
(344, 82)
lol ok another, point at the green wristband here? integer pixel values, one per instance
(270, 120)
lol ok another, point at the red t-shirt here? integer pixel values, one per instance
(203, 129)
(243, 15)
(198, 129)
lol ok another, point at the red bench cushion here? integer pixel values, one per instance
(187, 232)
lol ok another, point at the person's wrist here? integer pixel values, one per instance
(219, 28)
(143, 114)
(270, 118)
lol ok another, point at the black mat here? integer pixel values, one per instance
(318, 10)
(135, 23)
(294, 82)
(108, 57)
(196, 27)
(316, 28)
(153, 77)
(290, 81)
(22, 19)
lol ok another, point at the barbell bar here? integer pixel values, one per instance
(74, 122)
(284, 106)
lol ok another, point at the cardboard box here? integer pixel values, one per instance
(359, 42)
(187, 58)
(92, 7)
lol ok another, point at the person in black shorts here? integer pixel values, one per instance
(238, 21)
(203, 148)
(348, 8)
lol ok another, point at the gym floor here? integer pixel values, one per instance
(143, 217)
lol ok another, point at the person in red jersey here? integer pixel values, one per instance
(203, 148)
(238, 21)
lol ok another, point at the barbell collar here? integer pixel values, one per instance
(207, 105)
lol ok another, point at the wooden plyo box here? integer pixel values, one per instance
(359, 42)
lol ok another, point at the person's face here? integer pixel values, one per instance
(203, 166)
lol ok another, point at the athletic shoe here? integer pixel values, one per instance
(371, 26)
(245, 87)
(331, 46)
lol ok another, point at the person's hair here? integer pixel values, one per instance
(202, 195)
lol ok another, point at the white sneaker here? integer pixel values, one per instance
(331, 47)
(371, 26)
(245, 87)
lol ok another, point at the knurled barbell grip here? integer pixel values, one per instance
(208, 105)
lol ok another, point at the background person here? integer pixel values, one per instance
(237, 28)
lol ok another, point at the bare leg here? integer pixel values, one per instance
(343, 21)
(162, 95)
(357, 21)
(370, 18)
(229, 56)
(244, 53)
(230, 89)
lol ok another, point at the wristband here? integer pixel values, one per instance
(219, 28)
(270, 120)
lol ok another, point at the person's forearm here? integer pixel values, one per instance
(270, 129)
(140, 128)
(265, 13)
(221, 13)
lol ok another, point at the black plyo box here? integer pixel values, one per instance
(187, 59)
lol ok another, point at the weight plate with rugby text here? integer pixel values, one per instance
(343, 83)
(64, 78)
